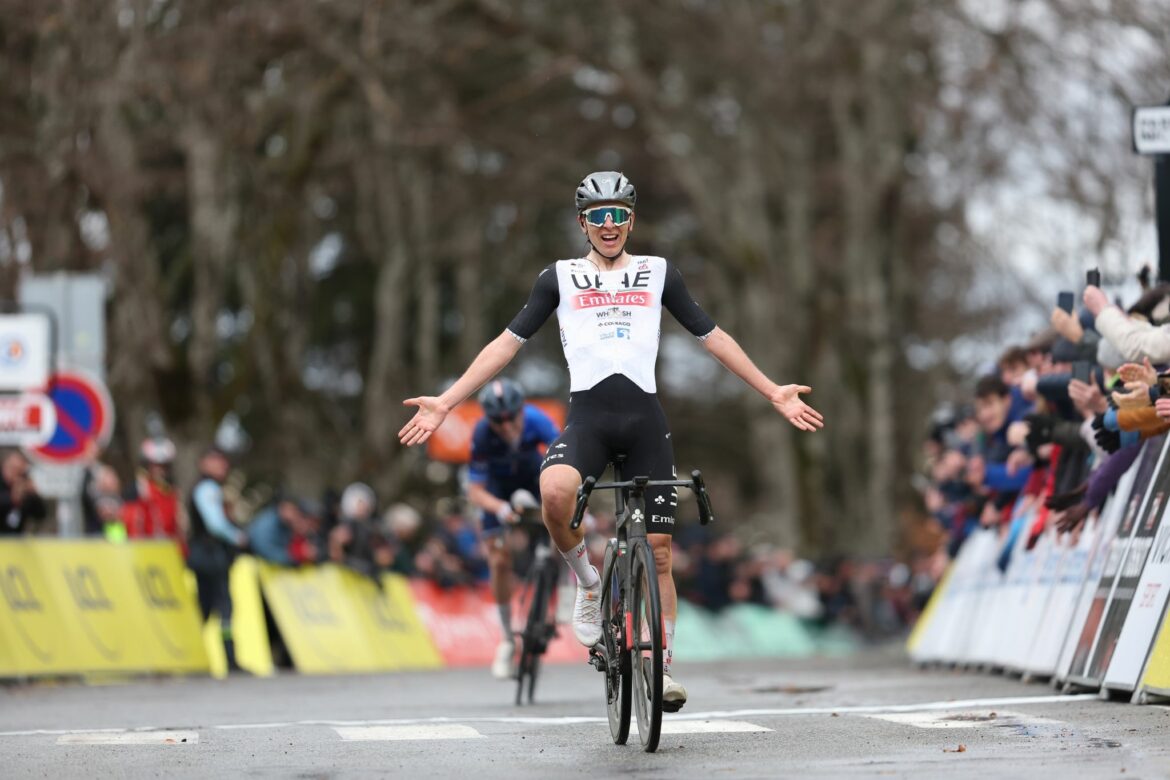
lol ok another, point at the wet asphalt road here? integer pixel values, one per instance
(871, 715)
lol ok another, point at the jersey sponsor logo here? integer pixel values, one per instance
(668, 520)
(619, 333)
(593, 300)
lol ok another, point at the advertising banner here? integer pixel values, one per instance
(1086, 643)
(90, 606)
(1129, 574)
(465, 625)
(334, 620)
(1108, 521)
(1155, 680)
(1147, 605)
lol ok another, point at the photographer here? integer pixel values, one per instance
(19, 501)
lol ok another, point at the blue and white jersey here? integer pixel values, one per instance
(503, 469)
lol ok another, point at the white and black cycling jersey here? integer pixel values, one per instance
(610, 321)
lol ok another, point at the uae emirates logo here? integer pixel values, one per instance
(594, 299)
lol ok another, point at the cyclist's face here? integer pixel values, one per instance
(609, 239)
(508, 428)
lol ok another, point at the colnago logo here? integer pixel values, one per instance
(637, 515)
(592, 300)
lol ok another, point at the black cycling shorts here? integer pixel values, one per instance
(613, 417)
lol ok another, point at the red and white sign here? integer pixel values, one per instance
(26, 420)
(84, 418)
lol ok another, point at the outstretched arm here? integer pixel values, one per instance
(433, 410)
(785, 398)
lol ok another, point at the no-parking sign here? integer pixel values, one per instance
(85, 415)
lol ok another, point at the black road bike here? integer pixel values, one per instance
(538, 606)
(630, 651)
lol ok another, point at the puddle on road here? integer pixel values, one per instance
(792, 689)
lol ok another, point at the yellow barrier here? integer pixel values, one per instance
(72, 607)
(928, 611)
(334, 620)
(1156, 679)
(249, 629)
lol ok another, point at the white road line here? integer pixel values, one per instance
(397, 733)
(711, 715)
(707, 727)
(105, 737)
(960, 720)
(575, 720)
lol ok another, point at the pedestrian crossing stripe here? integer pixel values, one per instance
(399, 733)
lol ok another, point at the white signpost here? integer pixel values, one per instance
(1151, 130)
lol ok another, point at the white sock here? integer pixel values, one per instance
(506, 620)
(578, 561)
(667, 645)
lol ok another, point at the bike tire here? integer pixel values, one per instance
(529, 638)
(542, 624)
(646, 651)
(618, 685)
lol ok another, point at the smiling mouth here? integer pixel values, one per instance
(610, 236)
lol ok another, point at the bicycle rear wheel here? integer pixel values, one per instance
(617, 659)
(646, 659)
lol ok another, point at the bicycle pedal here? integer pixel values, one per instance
(672, 706)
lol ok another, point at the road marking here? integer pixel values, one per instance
(965, 704)
(400, 733)
(129, 738)
(960, 720)
(707, 727)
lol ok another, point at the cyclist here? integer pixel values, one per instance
(507, 448)
(609, 308)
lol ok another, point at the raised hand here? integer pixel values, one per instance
(786, 400)
(430, 415)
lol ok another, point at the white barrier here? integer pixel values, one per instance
(1085, 611)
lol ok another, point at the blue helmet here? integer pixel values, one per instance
(501, 397)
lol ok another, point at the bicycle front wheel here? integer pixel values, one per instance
(617, 659)
(646, 655)
(532, 643)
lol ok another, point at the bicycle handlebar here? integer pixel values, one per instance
(695, 483)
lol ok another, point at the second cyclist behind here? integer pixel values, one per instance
(507, 448)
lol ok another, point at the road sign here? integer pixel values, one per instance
(26, 420)
(26, 347)
(1151, 130)
(85, 416)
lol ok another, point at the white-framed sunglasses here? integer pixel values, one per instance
(596, 215)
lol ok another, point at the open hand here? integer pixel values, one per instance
(430, 415)
(1136, 396)
(786, 400)
(1095, 300)
(1139, 372)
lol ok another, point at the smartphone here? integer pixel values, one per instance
(1164, 383)
(1064, 300)
(1093, 277)
(1082, 370)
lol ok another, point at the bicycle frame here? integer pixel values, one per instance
(630, 556)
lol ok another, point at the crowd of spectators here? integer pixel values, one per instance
(714, 570)
(1057, 422)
